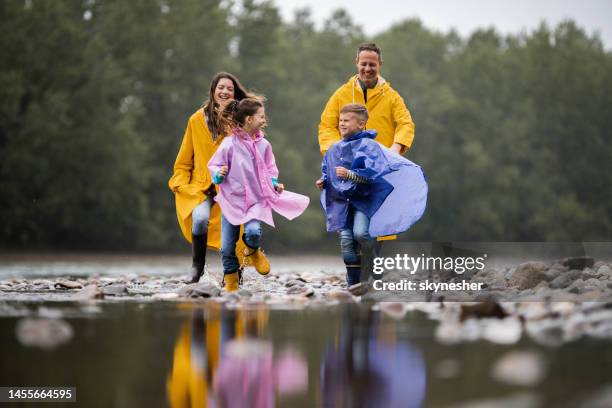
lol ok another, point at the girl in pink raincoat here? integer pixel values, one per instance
(245, 170)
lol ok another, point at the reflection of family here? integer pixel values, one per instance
(226, 181)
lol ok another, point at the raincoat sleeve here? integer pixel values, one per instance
(328, 127)
(184, 162)
(404, 126)
(324, 169)
(270, 162)
(222, 157)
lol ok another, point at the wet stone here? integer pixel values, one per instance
(115, 290)
(565, 279)
(294, 282)
(340, 295)
(197, 290)
(300, 290)
(528, 275)
(89, 292)
(579, 262)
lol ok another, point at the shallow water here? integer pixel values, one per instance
(169, 354)
(172, 354)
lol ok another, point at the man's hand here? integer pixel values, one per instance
(320, 184)
(279, 187)
(223, 171)
(341, 172)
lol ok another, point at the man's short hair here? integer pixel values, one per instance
(370, 47)
(358, 109)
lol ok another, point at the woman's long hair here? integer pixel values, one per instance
(219, 122)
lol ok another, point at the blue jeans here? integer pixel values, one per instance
(230, 235)
(352, 240)
(200, 217)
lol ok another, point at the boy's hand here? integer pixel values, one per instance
(320, 184)
(279, 187)
(223, 171)
(341, 172)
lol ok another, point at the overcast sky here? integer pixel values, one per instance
(507, 16)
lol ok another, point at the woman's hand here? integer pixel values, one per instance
(341, 172)
(223, 171)
(279, 187)
(320, 184)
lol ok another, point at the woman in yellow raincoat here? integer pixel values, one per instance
(199, 219)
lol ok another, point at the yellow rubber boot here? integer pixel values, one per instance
(258, 259)
(231, 281)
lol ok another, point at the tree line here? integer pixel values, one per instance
(513, 132)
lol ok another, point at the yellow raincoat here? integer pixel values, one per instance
(388, 114)
(191, 178)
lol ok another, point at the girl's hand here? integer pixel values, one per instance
(320, 184)
(223, 171)
(341, 172)
(279, 187)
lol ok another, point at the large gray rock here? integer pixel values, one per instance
(528, 275)
(115, 290)
(565, 279)
(199, 290)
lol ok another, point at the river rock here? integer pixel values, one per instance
(294, 282)
(579, 262)
(565, 279)
(115, 290)
(197, 290)
(300, 290)
(528, 275)
(43, 333)
(67, 284)
(89, 292)
(605, 270)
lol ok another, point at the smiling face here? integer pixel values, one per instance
(368, 67)
(256, 122)
(224, 92)
(350, 123)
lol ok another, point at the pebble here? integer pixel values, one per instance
(43, 333)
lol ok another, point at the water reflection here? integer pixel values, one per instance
(368, 366)
(223, 359)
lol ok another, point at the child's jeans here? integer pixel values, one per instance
(200, 217)
(358, 247)
(352, 239)
(230, 235)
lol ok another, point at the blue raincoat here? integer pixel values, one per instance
(394, 196)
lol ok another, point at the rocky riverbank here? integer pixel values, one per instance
(551, 302)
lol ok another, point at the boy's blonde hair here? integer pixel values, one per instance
(358, 109)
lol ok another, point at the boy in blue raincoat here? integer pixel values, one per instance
(368, 191)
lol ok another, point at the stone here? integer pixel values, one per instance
(89, 292)
(605, 270)
(528, 275)
(579, 262)
(245, 293)
(199, 290)
(115, 290)
(43, 333)
(294, 282)
(565, 279)
(300, 290)
(67, 284)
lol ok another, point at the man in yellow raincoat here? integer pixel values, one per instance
(387, 110)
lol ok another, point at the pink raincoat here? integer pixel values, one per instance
(247, 192)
